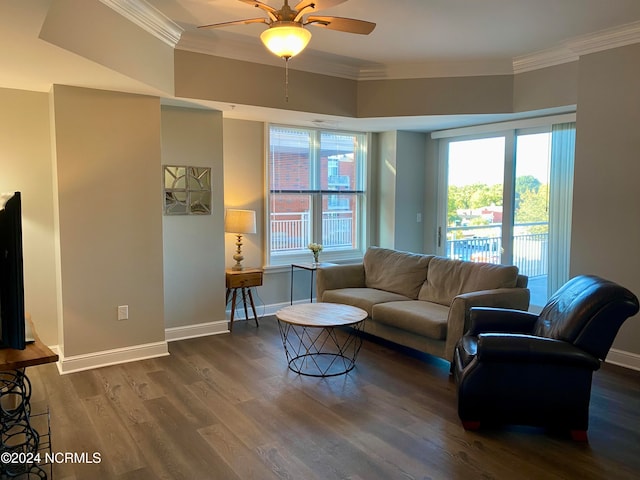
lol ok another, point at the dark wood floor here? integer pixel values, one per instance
(227, 407)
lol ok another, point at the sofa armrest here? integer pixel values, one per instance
(500, 320)
(517, 348)
(339, 276)
(459, 313)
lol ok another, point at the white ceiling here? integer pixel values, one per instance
(412, 37)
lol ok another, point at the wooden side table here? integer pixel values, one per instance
(242, 280)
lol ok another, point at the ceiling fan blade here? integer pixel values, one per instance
(319, 4)
(267, 8)
(341, 24)
(261, 5)
(237, 22)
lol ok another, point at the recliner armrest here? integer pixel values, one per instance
(517, 348)
(500, 320)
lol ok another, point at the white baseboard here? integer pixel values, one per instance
(624, 359)
(199, 330)
(88, 361)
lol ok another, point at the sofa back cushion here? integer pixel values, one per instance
(395, 271)
(447, 278)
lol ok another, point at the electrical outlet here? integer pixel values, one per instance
(123, 312)
(418, 218)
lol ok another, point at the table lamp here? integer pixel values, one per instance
(239, 222)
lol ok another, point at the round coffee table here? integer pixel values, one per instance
(311, 343)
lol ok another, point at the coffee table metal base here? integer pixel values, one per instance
(321, 351)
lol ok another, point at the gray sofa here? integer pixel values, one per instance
(421, 301)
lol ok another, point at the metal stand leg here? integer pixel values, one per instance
(320, 351)
(16, 433)
(291, 282)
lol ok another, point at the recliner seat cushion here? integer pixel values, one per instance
(415, 316)
(447, 278)
(393, 271)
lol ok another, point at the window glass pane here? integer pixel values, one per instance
(338, 161)
(290, 222)
(474, 193)
(289, 155)
(305, 167)
(531, 222)
(340, 221)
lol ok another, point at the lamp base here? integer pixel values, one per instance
(238, 257)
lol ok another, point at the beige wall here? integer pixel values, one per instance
(606, 204)
(194, 244)
(244, 185)
(410, 172)
(25, 166)
(435, 96)
(430, 216)
(401, 160)
(97, 32)
(110, 220)
(234, 81)
(546, 88)
(385, 185)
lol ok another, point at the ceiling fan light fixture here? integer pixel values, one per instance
(285, 39)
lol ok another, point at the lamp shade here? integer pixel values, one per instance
(240, 221)
(285, 39)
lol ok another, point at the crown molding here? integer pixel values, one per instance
(573, 49)
(148, 18)
(607, 39)
(543, 59)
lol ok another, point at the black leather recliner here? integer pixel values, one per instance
(514, 367)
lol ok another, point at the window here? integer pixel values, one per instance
(506, 198)
(316, 182)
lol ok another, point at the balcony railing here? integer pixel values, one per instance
(484, 244)
(292, 231)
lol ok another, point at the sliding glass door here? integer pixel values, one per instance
(499, 197)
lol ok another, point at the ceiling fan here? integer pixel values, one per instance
(286, 35)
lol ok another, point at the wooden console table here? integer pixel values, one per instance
(242, 280)
(16, 433)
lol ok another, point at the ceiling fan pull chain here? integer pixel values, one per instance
(286, 80)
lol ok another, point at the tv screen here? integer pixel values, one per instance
(12, 321)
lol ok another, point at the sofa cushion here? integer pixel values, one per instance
(394, 271)
(447, 278)
(415, 316)
(364, 298)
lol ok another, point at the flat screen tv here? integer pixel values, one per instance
(12, 320)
